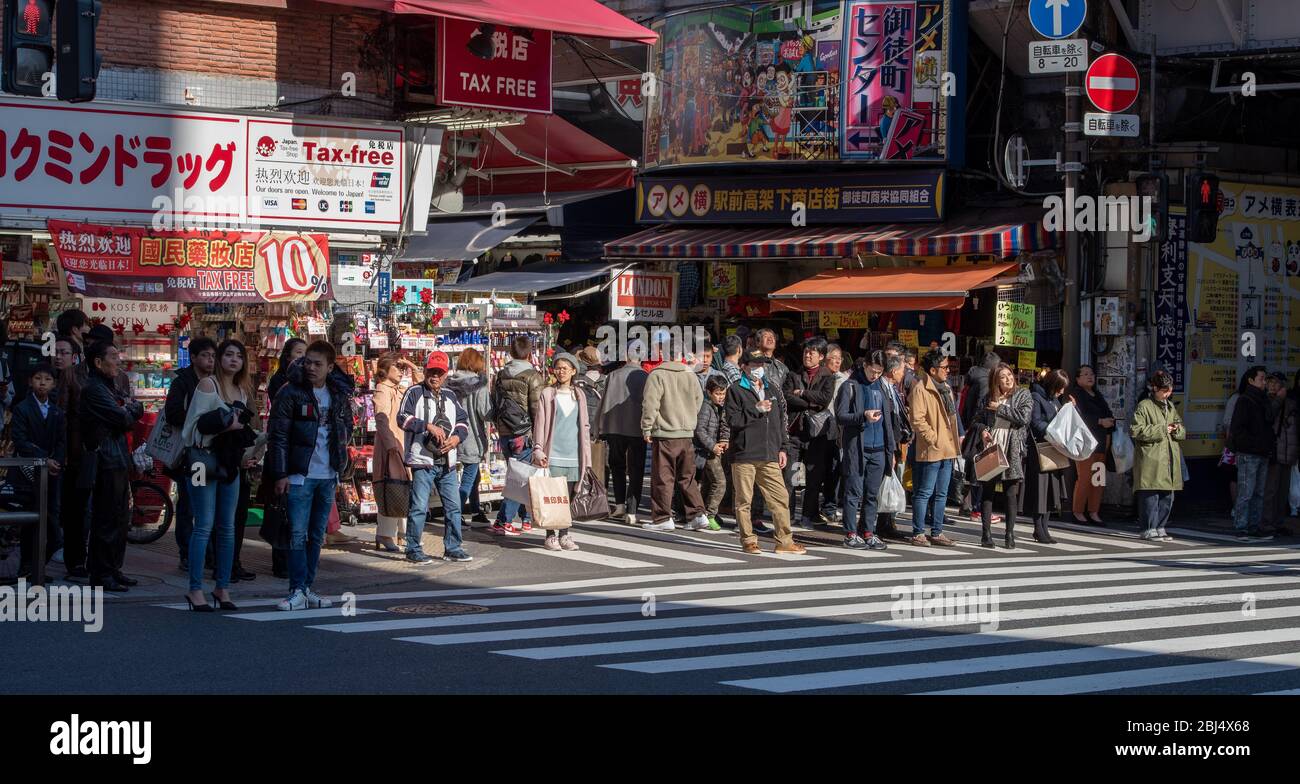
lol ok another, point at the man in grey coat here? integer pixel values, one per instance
(620, 426)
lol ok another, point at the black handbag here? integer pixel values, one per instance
(589, 500)
(275, 529)
(197, 455)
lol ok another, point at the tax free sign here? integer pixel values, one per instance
(494, 67)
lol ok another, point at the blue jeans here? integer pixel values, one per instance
(424, 479)
(1154, 507)
(213, 505)
(309, 513)
(469, 487)
(1249, 509)
(930, 495)
(510, 508)
(862, 495)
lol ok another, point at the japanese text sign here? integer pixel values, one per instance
(1014, 322)
(493, 67)
(644, 296)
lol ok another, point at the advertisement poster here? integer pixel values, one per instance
(894, 65)
(1014, 323)
(185, 169)
(211, 266)
(743, 83)
(644, 296)
(127, 313)
(722, 280)
(1105, 316)
(493, 66)
(1234, 293)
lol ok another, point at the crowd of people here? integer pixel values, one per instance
(816, 443)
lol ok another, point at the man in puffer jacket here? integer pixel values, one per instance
(1277, 485)
(669, 412)
(515, 391)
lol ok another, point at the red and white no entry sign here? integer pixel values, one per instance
(1112, 83)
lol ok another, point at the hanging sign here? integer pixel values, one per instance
(644, 296)
(493, 66)
(842, 319)
(1014, 323)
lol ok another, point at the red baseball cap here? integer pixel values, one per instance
(437, 361)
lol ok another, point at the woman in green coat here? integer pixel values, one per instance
(1158, 471)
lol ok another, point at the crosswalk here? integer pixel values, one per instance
(1198, 617)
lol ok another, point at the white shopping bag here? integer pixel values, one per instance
(518, 472)
(1070, 434)
(1121, 450)
(892, 498)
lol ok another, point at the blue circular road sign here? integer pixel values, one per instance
(1057, 18)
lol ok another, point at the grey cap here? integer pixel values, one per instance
(572, 360)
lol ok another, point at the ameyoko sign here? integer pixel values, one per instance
(177, 169)
(493, 67)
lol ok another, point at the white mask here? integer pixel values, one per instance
(756, 373)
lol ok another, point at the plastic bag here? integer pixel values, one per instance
(1121, 450)
(892, 498)
(518, 473)
(1295, 490)
(1070, 434)
(142, 459)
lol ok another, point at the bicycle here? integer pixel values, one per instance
(152, 509)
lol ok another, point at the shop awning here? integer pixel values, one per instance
(889, 288)
(533, 278)
(951, 238)
(577, 17)
(464, 239)
(544, 154)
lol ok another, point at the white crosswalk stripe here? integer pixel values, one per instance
(1104, 618)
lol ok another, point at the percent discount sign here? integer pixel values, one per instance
(1014, 325)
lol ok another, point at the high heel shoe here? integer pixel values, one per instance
(1096, 520)
(224, 604)
(386, 544)
(201, 607)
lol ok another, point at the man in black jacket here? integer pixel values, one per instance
(1252, 440)
(39, 430)
(307, 443)
(809, 395)
(203, 361)
(759, 423)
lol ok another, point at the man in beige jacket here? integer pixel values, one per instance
(934, 424)
(669, 409)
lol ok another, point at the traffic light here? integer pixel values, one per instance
(29, 49)
(1153, 189)
(78, 61)
(1204, 202)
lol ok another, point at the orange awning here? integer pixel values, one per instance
(889, 288)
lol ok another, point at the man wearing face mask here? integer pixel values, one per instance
(760, 434)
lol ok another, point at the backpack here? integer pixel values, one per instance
(512, 419)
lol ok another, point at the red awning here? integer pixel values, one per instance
(576, 17)
(549, 154)
(950, 238)
(889, 288)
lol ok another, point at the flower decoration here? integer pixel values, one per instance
(183, 321)
(550, 352)
(426, 296)
(137, 327)
(167, 366)
(164, 329)
(119, 328)
(96, 321)
(438, 314)
(564, 316)
(399, 295)
(546, 319)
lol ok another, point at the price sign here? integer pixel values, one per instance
(1014, 323)
(1028, 360)
(909, 337)
(378, 340)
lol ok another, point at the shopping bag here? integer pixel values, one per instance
(1121, 450)
(590, 501)
(1069, 433)
(990, 463)
(549, 502)
(164, 444)
(892, 498)
(1050, 458)
(518, 472)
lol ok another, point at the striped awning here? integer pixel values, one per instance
(891, 288)
(1004, 240)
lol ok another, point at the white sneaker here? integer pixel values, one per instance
(700, 523)
(316, 600)
(666, 525)
(620, 511)
(630, 518)
(567, 543)
(552, 543)
(58, 556)
(1164, 537)
(295, 601)
(1150, 536)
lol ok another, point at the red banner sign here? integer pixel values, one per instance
(494, 67)
(191, 266)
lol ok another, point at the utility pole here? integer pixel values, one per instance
(1072, 165)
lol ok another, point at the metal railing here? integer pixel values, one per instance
(37, 517)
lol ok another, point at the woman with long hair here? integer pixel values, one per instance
(216, 433)
(1002, 418)
(392, 479)
(1101, 422)
(1158, 456)
(561, 435)
(1047, 488)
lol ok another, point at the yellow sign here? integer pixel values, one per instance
(1028, 360)
(910, 338)
(787, 334)
(842, 319)
(1014, 323)
(722, 280)
(833, 333)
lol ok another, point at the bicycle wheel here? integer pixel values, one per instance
(151, 513)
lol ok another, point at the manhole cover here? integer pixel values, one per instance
(437, 608)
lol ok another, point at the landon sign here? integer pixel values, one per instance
(494, 67)
(644, 296)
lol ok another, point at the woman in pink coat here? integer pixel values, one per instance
(562, 435)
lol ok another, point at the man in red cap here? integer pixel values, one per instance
(435, 424)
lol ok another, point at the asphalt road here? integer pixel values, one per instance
(687, 613)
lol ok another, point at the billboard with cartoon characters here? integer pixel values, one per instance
(802, 80)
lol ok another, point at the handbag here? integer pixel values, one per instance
(202, 456)
(589, 502)
(990, 463)
(549, 502)
(393, 497)
(1050, 458)
(818, 423)
(275, 529)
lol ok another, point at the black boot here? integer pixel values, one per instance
(1041, 534)
(986, 534)
(1010, 540)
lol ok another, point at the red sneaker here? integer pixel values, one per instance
(527, 527)
(977, 516)
(503, 530)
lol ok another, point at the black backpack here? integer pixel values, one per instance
(512, 419)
